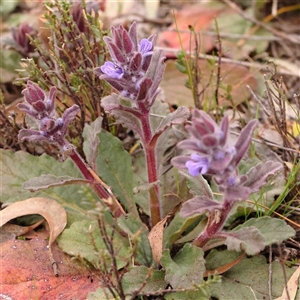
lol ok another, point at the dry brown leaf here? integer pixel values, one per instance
(156, 239)
(26, 273)
(199, 15)
(156, 234)
(52, 211)
(292, 286)
(11, 231)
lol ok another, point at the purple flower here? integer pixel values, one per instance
(145, 47)
(135, 70)
(212, 153)
(198, 165)
(112, 70)
(38, 104)
(41, 107)
(20, 36)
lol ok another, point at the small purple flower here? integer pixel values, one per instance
(38, 104)
(20, 36)
(112, 70)
(211, 151)
(145, 47)
(132, 64)
(198, 165)
(41, 107)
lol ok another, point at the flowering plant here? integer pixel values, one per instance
(122, 240)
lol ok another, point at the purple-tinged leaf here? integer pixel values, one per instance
(127, 44)
(190, 144)
(116, 53)
(156, 68)
(237, 193)
(92, 141)
(136, 62)
(52, 95)
(244, 140)
(39, 106)
(207, 121)
(68, 116)
(268, 226)
(199, 205)
(31, 135)
(48, 180)
(258, 175)
(180, 161)
(248, 239)
(179, 116)
(33, 93)
(221, 164)
(133, 36)
(198, 186)
(210, 140)
(224, 128)
(144, 89)
(115, 83)
(124, 115)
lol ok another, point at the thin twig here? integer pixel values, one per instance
(270, 273)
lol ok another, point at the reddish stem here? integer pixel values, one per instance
(99, 189)
(151, 163)
(214, 224)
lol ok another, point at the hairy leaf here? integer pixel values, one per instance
(46, 181)
(124, 115)
(83, 239)
(179, 116)
(199, 205)
(248, 239)
(181, 271)
(153, 280)
(272, 229)
(248, 278)
(19, 167)
(258, 175)
(91, 141)
(115, 169)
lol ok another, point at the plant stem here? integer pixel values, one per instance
(114, 207)
(151, 163)
(214, 224)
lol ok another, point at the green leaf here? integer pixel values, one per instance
(102, 293)
(138, 234)
(200, 294)
(19, 167)
(115, 169)
(272, 229)
(248, 239)
(186, 269)
(179, 116)
(91, 141)
(153, 280)
(48, 180)
(198, 185)
(249, 278)
(84, 240)
(177, 226)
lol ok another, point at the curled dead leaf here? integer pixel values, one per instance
(52, 211)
